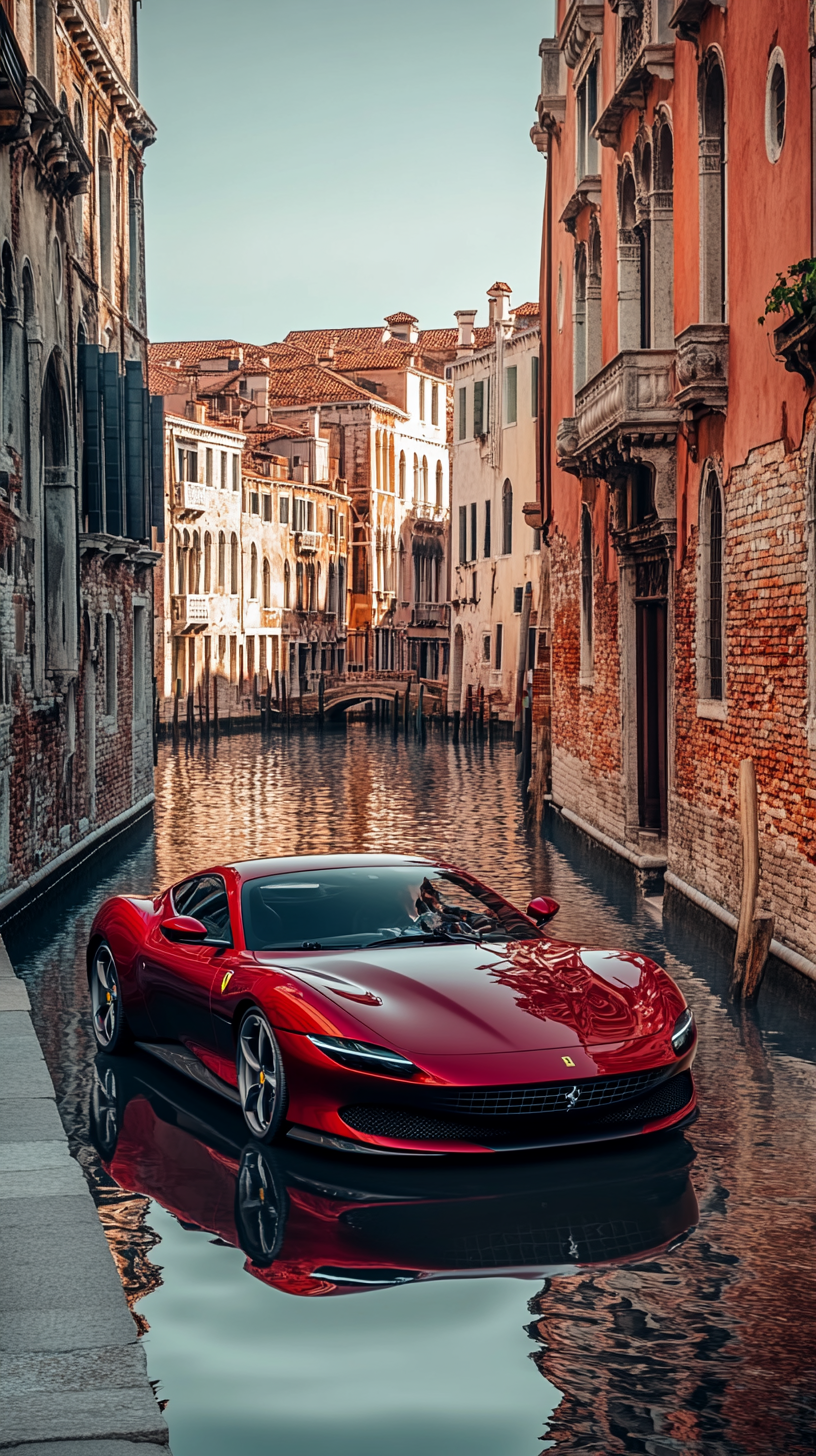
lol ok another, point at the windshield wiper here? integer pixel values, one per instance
(433, 937)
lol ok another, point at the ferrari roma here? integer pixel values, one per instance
(391, 1004)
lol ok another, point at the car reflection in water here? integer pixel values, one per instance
(315, 1224)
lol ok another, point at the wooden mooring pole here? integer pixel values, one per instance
(756, 928)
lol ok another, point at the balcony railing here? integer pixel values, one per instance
(427, 511)
(190, 613)
(12, 68)
(191, 498)
(430, 614)
(307, 542)
(629, 401)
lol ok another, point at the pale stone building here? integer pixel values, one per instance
(495, 552)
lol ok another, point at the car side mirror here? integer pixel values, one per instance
(542, 909)
(184, 930)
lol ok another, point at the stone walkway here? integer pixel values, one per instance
(73, 1377)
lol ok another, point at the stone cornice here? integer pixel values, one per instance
(583, 21)
(101, 65)
(587, 194)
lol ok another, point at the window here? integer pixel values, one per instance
(775, 105)
(254, 503)
(479, 410)
(462, 396)
(222, 479)
(434, 404)
(342, 524)
(579, 319)
(473, 531)
(110, 666)
(474, 584)
(416, 477)
(594, 333)
(222, 561)
(497, 660)
(266, 507)
(236, 472)
(253, 571)
(586, 115)
(425, 477)
(510, 395)
(629, 259)
(134, 248)
(518, 595)
(207, 562)
(402, 475)
(712, 192)
(711, 596)
(534, 362)
(422, 399)
(486, 644)
(298, 513)
(507, 518)
(487, 542)
(440, 484)
(139, 673)
(104, 173)
(299, 585)
(283, 510)
(205, 898)
(234, 588)
(463, 556)
(287, 585)
(587, 595)
(208, 467)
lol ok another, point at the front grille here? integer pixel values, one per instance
(547, 1096)
(408, 1125)
(588, 1243)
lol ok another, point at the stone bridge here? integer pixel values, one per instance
(374, 687)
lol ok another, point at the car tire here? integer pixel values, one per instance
(261, 1206)
(106, 1108)
(261, 1078)
(110, 1024)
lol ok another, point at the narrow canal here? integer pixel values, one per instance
(655, 1299)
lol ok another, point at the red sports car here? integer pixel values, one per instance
(391, 1004)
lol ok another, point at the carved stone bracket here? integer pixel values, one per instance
(587, 194)
(795, 346)
(582, 22)
(551, 107)
(651, 62)
(702, 368)
(688, 17)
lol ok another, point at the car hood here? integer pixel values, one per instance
(479, 999)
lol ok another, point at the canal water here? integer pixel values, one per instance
(656, 1299)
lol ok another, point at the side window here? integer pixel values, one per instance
(205, 898)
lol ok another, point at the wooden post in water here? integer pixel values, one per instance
(190, 719)
(420, 697)
(321, 698)
(481, 712)
(176, 710)
(468, 709)
(201, 709)
(755, 929)
(284, 699)
(215, 706)
(395, 714)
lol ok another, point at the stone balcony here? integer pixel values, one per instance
(190, 498)
(639, 60)
(628, 405)
(584, 20)
(430, 614)
(190, 614)
(795, 346)
(702, 368)
(307, 542)
(429, 513)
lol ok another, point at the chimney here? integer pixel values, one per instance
(401, 326)
(499, 299)
(465, 318)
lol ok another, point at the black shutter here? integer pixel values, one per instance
(93, 454)
(136, 451)
(157, 464)
(478, 408)
(112, 392)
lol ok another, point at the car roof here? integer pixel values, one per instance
(252, 869)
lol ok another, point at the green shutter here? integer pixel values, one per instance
(478, 408)
(157, 464)
(534, 387)
(462, 533)
(463, 412)
(136, 452)
(510, 395)
(92, 443)
(112, 395)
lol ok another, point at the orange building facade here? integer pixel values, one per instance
(676, 481)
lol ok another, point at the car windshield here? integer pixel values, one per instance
(389, 905)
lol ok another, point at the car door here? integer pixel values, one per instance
(178, 978)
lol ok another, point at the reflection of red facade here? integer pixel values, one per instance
(677, 480)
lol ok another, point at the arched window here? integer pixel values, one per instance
(134, 247)
(222, 561)
(234, 587)
(711, 625)
(180, 563)
(11, 321)
(629, 315)
(105, 173)
(579, 303)
(594, 327)
(712, 192)
(507, 518)
(390, 486)
(79, 201)
(341, 591)
(299, 585)
(416, 477)
(643, 232)
(425, 477)
(60, 524)
(195, 565)
(29, 332)
(207, 562)
(402, 475)
(378, 460)
(331, 595)
(287, 585)
(253, 571)
(267, 585)
(662, 225)
(439, 483)
(587, 595)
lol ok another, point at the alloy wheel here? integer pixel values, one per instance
(105, 1110)
(261, 1081)
(106, 1000)
(260, 1208)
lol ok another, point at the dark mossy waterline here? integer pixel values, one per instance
(704, 1349)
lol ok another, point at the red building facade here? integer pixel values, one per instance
(677, 439)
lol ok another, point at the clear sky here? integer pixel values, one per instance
(327, 163)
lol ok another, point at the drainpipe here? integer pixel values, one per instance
(545, 414)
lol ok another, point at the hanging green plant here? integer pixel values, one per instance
(795, 290)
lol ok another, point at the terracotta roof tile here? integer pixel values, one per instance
(526, 310)
(400, 318)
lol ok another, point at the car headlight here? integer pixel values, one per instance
(361, 1056)
(683, 1034)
